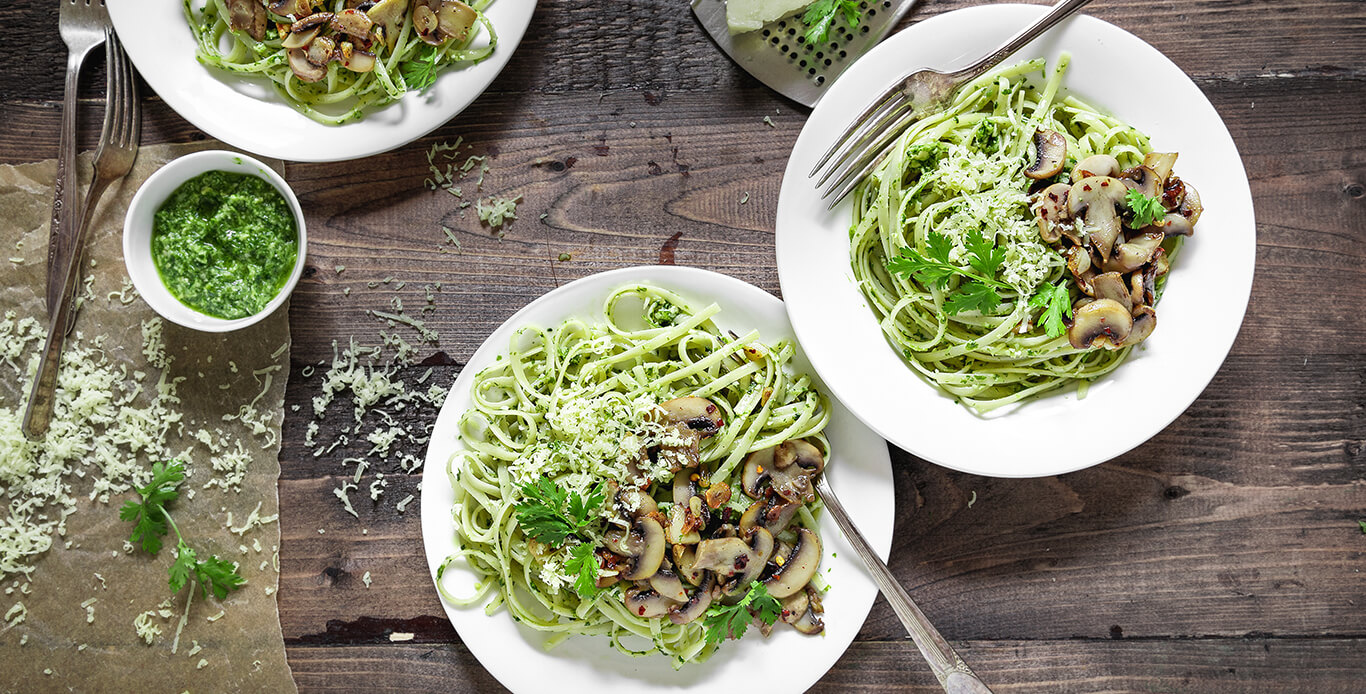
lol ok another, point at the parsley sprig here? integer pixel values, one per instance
(550, 514)
(1146, 209)
(820, 15)
(419, 71)
(1056, 303)
(150, 520)
(977, 291)
(731, 621)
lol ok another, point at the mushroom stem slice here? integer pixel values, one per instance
(1050, 151)
(1097, 200)
(726, 556)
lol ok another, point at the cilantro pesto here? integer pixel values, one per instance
(225, 244)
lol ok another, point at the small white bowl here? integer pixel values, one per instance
(137, 236)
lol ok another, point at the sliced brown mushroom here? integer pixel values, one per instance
(1134, 253)
(682, 526)
(1173, 193)
(1101, 323)
(317, 19)
(248, 16)
(289, 8)
(666, 583)
(1095, 165)
(631, 501)
(356, 61)
(301, 39)
(426, 23)
(1161, 163)
(302, 68)
(455, 19)
(1078, 260)
(644, 602)
(1110, 286)
(1050, 208)
(389, 15)
(679, 451)
(1143, 180)
(803, 611)
(697, 603)
(1173, 224)
(756, 470)
(772, 513)
(1050, 151)
(1145, 319)
(354, 23)
(795, 463)
(797, 567)
(1190, 206)
(685, 557)
(761, 548)
(321, 51)
(643, 546)
(726, 556)
(699, 414)
(1096, 201)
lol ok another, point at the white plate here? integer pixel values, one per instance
(859, 471)
(1198, 317)
(246, 113)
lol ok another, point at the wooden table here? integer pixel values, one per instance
(1222, 556)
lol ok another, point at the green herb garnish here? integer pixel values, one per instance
(150, 519)
(549, 514)
(419, 72)
(731, 621)
(1146, 209)
(1056, 303)
(583, 564)
(820, 15)
(978, 290)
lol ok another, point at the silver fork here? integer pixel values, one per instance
(83, 25)
(113, 160)
(953, 674)
(866, 142)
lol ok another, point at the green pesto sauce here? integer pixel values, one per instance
(225, 243)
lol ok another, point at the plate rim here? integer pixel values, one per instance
(436, 523)
(898, 47)
(461, 93)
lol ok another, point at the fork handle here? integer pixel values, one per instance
(953, 674)
(1058, 12)
(65, 185)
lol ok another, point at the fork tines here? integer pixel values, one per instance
(862, 146)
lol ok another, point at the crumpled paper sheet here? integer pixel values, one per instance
(243, 650)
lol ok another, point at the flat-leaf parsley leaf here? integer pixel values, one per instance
(1056, 303)
(820, 15)
(731, 621)
(549, 514)
(977, 291)
(150, 520)
(420, 72)
(1146, 209)
(583, 564)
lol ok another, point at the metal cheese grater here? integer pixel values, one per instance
(779, 56)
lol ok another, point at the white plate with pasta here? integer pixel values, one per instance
(896, 373)
(516, 653)
(246, 110)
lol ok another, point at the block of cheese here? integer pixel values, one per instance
(749, 15)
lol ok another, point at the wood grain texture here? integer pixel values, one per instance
(1221, 556)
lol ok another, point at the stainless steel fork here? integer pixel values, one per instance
(866, 142)
(83, 25)
(953, 674)
(113, 160)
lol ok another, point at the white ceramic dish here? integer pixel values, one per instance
(1198, 317)
(788, 661)
(245, 112)
(137, 236)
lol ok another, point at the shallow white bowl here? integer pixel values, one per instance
(137, 236)
(1199, 315)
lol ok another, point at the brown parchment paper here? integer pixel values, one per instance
(241, 651)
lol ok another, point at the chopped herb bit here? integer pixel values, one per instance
(1146, 209)
(731, 621)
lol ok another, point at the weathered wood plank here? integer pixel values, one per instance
(573, 46)
(1150, 545)
(1206, 666)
